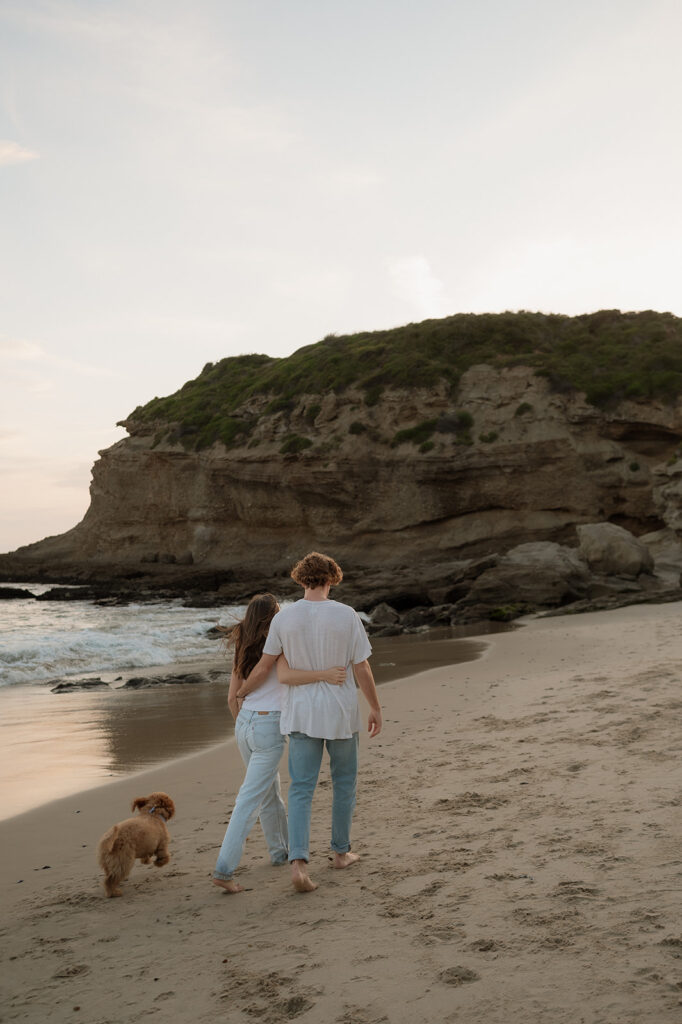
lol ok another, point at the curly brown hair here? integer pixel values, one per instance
(315, 570)
(249, 635)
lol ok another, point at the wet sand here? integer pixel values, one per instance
(518, 825)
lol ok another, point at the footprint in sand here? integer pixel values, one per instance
(486, 945)
(673, 945)
(458, 976)
(575, 891)
(271, 997)
(508, 877)
(356, 1015)
(72, 972)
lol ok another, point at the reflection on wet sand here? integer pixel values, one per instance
(53, 745)
(143, 727)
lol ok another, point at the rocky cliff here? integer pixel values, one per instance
(405, 484)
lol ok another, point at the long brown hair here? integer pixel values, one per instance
(249, 635)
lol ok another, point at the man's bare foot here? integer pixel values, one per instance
(344, 860)
(230, 887)
(300, 879)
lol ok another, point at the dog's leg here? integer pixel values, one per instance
(111, 886)
(162, 855)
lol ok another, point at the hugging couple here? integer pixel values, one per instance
(294, 675)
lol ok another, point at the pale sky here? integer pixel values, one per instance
(181, 182)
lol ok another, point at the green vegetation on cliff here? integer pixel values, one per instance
(609, 355)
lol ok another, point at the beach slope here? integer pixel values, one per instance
(518, 822)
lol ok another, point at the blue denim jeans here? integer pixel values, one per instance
(260, 744)
(305, 758)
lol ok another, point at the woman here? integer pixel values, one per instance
(260, 742)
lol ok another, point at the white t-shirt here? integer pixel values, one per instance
(318, 635)
(268, 696)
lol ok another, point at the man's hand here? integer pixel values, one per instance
(365, 680)
(374, 724)
(334, 676)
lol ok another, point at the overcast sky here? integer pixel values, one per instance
(185, 181)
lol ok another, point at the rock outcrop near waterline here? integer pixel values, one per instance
(406, 486)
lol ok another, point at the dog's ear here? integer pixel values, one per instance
(139, 801)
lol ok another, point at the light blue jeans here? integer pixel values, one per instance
(260, 744)
(305, 758)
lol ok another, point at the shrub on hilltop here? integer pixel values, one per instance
(608, 355)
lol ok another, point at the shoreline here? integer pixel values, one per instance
(519, 860)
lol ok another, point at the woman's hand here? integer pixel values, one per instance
(233, 704)
(335, 676)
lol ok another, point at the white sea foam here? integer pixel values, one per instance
(42, 640)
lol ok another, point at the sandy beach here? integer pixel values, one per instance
(518, 823)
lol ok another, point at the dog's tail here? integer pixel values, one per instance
(106, 846)
(115, 860)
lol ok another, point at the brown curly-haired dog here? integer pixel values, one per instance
(144, 836)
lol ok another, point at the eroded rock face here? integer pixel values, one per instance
(532, 467)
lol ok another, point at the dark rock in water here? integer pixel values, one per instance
(103, 594)
(80, 684)
(214, 633)
(394, 629)
(149, 682)
(384, 615)
(14, 593)
(141, 683)
(186, 678)
(204, 600)
(437, 615)
(71, 594)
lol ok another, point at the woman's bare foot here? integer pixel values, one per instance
(300, 879)
(344, 860)
(230, 887)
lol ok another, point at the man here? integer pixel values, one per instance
(314, 634)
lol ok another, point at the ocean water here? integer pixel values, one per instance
(41, 641)
(52, 744)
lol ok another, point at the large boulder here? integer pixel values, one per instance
(613, 551)
(541, 574)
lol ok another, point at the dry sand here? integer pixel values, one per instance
(518, 821)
